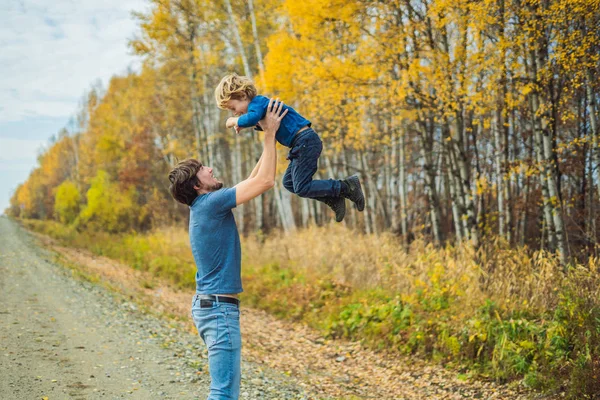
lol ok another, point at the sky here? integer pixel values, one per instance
(52, 52)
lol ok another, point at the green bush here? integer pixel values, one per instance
(108, 208)
(66, 202)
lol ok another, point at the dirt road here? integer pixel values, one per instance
(63, 338)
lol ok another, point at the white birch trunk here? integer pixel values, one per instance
(402, 185)
(593, 112)
(238, 39)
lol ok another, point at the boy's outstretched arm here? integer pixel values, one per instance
(244, 121)
(232, 123)
(256, 111)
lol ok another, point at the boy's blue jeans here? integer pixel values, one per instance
(304, 157)
(219, 328)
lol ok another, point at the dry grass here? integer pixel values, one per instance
(514, 278)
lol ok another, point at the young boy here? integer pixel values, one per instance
(239, 95)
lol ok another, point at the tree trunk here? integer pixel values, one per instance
(501, 133)
(259, 57)
(451, 187)
(198, 129)
(369, 191)
(284, 208)
(526, 190)
(402, 185)
(551, 168)
(591, 234)
(464, 180)
(426, 149)
(545, 154)
(343, 159)
(305, 212)
(238, 39)
(595, 152)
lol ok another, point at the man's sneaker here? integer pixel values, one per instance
(355, 193)
(337, 204)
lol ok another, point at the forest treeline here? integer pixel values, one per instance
(465, 119)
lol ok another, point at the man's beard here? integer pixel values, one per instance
(214, 187)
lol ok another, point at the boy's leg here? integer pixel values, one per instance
(337, 204)
(219, 328)
(304, 159)
(287, 180)
(303, 164)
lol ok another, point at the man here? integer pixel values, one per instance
(215, 245)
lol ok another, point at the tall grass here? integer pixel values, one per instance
(497, 311)
(166, 253)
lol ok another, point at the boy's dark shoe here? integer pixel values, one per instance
(352, 190)
(337, 204)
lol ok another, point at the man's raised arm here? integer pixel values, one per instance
(264, 179)
(256, 168)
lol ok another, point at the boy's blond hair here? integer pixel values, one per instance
(234, 87)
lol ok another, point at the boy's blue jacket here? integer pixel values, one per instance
(290, 124)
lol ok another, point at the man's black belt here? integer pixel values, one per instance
(207, 300)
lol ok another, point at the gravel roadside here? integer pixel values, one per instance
(63, 338)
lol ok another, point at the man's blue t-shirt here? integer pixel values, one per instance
(290, 124)
(215, 243)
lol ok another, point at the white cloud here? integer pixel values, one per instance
(52, 51)
(23, 150)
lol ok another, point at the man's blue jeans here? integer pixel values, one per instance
(219, 328)
(304, 157)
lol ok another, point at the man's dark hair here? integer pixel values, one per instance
(183, 179)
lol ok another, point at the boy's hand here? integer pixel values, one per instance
(237, 129)
(270, 123)
(231, 122)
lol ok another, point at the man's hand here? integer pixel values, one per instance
(270, 123)
(263, 175)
